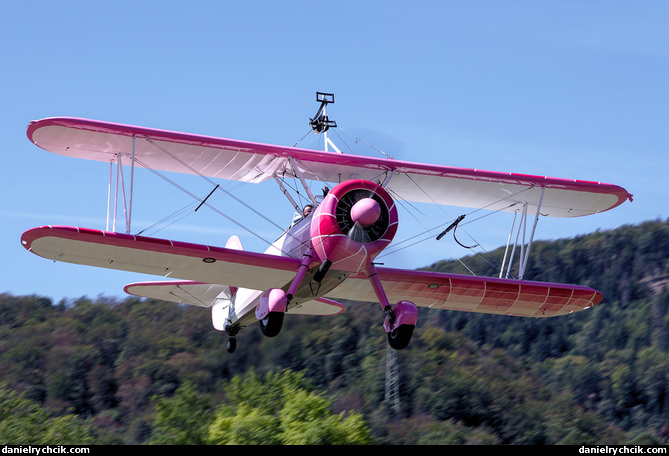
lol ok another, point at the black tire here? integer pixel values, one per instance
(271, 324)
(231, 345)
(399, 338)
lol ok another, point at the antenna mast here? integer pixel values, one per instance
(320, 123)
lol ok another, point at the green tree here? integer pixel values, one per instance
(281, 409)
(22, 422)
(182, 419)
(306, 420)
(244, 426)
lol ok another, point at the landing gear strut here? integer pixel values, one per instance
(400, 319)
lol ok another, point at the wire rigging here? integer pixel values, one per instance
(422, 237)
(302, 138)
(197, 198)
(427, 234)
(217, 187)
(356, 139)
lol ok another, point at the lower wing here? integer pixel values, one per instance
(215, 268)
(471, 293)
(160, 257)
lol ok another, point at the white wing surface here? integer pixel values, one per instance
(254, 162)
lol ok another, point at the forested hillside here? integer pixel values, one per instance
(141, 371)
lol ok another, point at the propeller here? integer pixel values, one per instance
(362, 215)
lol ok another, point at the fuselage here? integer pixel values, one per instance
(294, 243)
(339, 233)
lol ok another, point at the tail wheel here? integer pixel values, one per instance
(400, 337)
(231, 345)
(271, 324)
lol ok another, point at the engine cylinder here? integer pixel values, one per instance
(355, 222)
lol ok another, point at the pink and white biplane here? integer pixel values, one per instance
(328, 255)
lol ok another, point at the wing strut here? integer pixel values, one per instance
(534, 228)
(299, 175)
(524, 251)
(506, 251)
(132, 184)
(127, 203)
(387, 179)
(285, 192)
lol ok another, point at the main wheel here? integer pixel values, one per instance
(271, 324)
(400, 337)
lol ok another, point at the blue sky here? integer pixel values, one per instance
(572, 89)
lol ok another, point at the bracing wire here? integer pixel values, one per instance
(248, 206)
(358, 139)
(427, 234)
(302, 138)
(182, 213)
(200, 200)
(172, 218)
(453, 224)
(342, 141)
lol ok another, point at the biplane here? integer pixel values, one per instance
(328, 255)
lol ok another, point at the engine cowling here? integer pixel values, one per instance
(355, 222)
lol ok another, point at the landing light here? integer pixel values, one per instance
(209, 260)
(433, 285)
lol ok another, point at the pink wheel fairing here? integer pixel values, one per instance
(273, 300)
(355, 222)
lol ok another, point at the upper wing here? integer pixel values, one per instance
(472, 294)
(254, 162)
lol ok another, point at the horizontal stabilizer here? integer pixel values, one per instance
(184, 292)
(319, 306)
(206, 295)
